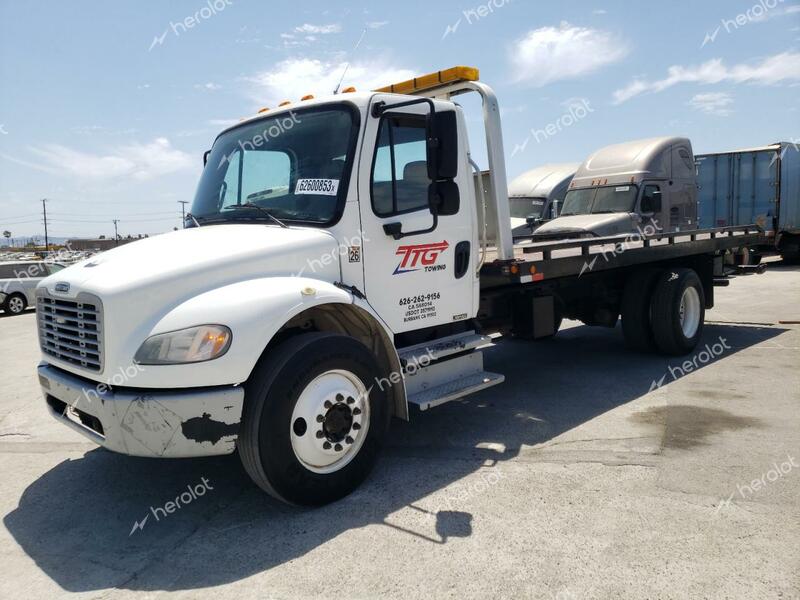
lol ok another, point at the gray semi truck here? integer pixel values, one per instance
(625, 187)
(535, 196)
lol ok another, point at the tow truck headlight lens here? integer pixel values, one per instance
(192, 345)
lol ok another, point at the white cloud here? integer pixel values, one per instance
(138, 161)
(295, 77)
(773, 69)
(318, 29)
(713, 103)
(549, 54)
(210, 86)
(599, 11)
(377, 24)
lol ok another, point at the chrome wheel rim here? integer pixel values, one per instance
(330, 421)
(690, 312)
(16, 305)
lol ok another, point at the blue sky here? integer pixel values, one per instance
(107, 107)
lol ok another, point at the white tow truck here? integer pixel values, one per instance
(335, 272)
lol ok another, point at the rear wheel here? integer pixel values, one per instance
(678, 311)
(636, 300)
(15, 304)
(314, 420)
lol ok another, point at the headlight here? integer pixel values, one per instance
(192, 345)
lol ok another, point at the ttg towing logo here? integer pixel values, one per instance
(414, 258)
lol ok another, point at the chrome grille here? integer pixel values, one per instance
(71, 330)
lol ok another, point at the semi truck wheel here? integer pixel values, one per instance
(636, 301)
(314, 420)
(15, 304)
(678, 311)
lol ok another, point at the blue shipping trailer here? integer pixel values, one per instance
(758, 185)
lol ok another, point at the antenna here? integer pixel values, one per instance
(347, 64)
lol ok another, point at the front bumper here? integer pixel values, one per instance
(160, 423)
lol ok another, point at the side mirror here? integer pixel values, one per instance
(444, 198)
(443, 148)
(651, 203)
(205, 157)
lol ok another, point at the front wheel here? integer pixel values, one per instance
(315, 418)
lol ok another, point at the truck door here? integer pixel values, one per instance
(419, 270)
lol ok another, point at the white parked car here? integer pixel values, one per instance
(18, 281)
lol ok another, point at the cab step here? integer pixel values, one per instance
(453, 390)
(430, 384)
(443, 347)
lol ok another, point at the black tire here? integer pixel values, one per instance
(636, 300)
(265, 443)
(668, 331)
(15, 304)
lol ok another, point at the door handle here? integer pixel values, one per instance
(461, 259)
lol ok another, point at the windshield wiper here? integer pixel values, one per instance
(258, 208)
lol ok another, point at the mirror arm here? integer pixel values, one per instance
(396, 229)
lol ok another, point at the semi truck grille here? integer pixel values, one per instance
(71, 330)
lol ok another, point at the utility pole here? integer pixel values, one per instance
(46, 239)
(116, 235)
(183, 204)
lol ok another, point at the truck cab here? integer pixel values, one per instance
(535, 196)
(622, 188)
(339, 232)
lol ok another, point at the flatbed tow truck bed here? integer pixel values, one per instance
(543, 261)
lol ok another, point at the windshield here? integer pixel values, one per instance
(596, 200)
(522, 208)
(295, 167)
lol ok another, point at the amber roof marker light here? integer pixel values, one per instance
(432, 80)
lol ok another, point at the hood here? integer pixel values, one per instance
(597, 225)
(212, 255)
(141, 282)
